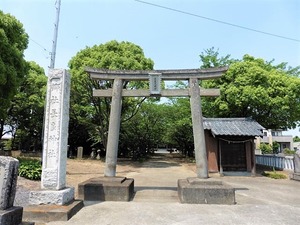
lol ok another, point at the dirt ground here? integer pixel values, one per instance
(80, 170)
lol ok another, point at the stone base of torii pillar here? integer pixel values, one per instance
(106, 189)
(205, 191)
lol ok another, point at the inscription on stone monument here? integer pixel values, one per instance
(54, 122)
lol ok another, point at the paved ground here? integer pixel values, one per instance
(260, 200)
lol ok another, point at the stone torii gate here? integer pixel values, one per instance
(155, 77)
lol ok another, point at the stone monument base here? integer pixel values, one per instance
(11, 216)
(52, 197)
(48, 213)
(106, 189)
(295, 176)
(205, 191)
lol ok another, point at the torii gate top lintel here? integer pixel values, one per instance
(177, 74)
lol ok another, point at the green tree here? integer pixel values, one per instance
(13, 42)
(255, 88)
(210, 58)
(296, 139)
(92, 114)
(25, 116)
(179, 131)
(144, 131)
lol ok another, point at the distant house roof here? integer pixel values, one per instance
(233, 126)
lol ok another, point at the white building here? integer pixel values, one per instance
(270, 136)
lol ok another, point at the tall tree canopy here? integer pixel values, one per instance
(145, 131)
(88, 115)
(25, 116)
(179, 132)
(13, 42)
(255, 88)
(210, 58)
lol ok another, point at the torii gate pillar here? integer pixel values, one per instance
(198, 130)
(114, 129)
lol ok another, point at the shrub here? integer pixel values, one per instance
(288, 151)
(274, 175)
(275, 147)
(265, 148)
(30, 168)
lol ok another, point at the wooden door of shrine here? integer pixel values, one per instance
(233, 156)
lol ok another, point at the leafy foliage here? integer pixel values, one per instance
(255, 88)
(179, 132)
(167, 124)
(25, 116)
(30, 168)
(210, 58)
(288, 151)
(13, 42)
(145, 131)
(91, 114)
(296, 139)
(275, 147)
(266, 148)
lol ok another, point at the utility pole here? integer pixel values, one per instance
(53, 53)
(52, 62)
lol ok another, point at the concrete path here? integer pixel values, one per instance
(157, 180)
(260, 200)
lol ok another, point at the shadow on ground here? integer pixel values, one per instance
(156, 160)
(143, 188)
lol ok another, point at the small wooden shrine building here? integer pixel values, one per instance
(230, 144)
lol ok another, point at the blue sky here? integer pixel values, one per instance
(173, 40)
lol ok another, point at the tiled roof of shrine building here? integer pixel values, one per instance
(233, 126)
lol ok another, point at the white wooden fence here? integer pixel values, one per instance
(280, 162)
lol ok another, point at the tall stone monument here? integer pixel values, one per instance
(54, 190)
(53, 183)
(56, 131)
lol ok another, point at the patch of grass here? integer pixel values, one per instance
(274, 175)
(30, 168)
